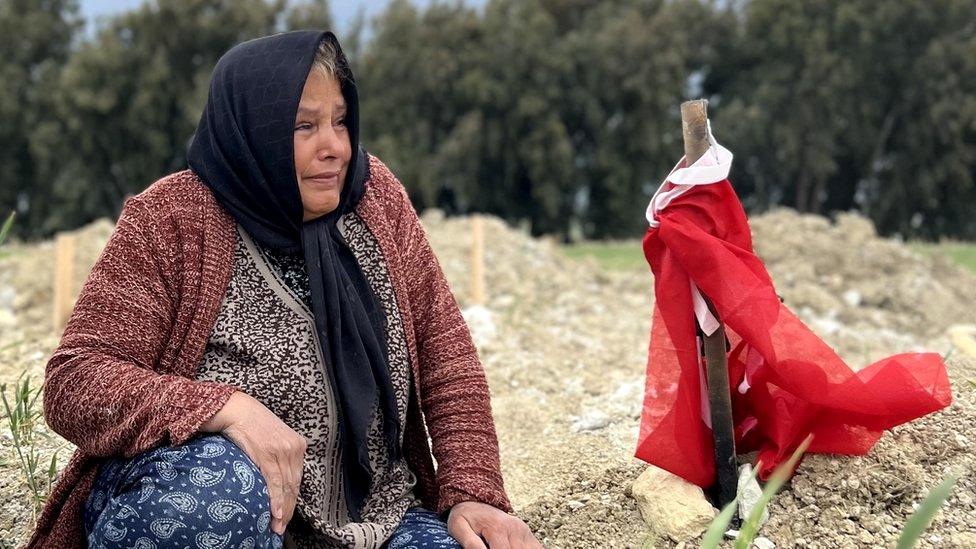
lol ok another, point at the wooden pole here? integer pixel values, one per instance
(477, 260)
(63, 276)
(695, 132)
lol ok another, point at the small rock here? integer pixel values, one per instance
(574, 505)
(7, 297)
(481, 323)
(852, 298)
(749, 494)
(763, 543)
(591, 420)
(672, 506)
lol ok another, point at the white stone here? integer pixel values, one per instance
(481, 323)
(7, 297)
(628, 399)
(591, 420)
(763, 543)
(7, 318)
(852, 298)
(749, 492)
(672, 506)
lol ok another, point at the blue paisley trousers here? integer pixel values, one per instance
(206, 494)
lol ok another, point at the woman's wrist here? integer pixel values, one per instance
(224, 416)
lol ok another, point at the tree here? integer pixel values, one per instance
(35, 41)
(132, 97)
(835, 105)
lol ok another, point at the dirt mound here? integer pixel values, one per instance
(865, 501)
(869, 296)
(568, 354)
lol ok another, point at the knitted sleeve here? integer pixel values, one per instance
(455, 397)
(102, 390)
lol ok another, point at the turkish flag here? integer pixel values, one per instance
(785, 382)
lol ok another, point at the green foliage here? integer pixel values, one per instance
(843, 104)
(24, 416)
(4, 230)
(961, 253)
(716, 530)
(142, 82)
(919, 521)
(35, 43)
(559, 113)
(624, 255)
(713, 536)
(6, 227)
(750, 527)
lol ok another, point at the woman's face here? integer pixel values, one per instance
(322, 148)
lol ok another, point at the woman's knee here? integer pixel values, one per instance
(207, 488)
(214, 470)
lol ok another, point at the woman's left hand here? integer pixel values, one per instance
(469, 521)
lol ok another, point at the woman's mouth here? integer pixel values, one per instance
(324, 179)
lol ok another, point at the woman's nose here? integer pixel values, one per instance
(329, 143)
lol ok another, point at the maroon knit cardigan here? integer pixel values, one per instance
(122, 379)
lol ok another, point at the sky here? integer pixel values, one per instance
(343, 11)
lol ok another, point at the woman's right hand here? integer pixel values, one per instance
(277, 450)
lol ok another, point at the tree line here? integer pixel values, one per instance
(558, 114)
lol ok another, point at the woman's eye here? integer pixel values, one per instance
(341, 122)
(303, 126)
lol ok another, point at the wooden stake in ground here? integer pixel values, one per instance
(477, 260)
(63, 276)
(694, 128)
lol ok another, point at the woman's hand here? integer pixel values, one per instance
(273, 446)
(470, 519)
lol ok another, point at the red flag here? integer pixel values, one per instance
(785, 382)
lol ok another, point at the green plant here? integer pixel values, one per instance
(24, 416)
(914, 528)
(920, 520)
(779, 477)
(713, 536)
(5, 229)
(6, 226)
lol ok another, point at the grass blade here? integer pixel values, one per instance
(718, 527)
(919, 521)
(53, 469)
(779, 477)
(713, 536)
(6, 227)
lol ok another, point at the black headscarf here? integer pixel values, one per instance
(243, 149)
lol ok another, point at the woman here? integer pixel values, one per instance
(260, 350)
